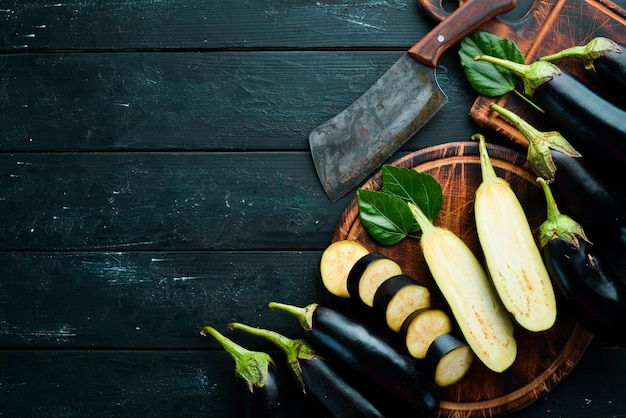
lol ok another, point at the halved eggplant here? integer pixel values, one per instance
(397, 297)
(336, 263)
(449, 358)
(367, 274)
(469, 293)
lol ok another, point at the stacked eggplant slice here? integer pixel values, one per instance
(376, 282)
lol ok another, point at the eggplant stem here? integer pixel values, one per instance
(540, 144)
(295, 350)
(529, 131)
(553, 209)
(488, 172)
(251, 366)
(532, 75)
(588, 53)
(291, 347)
(277, 339)
(425, 224)
(304, 315)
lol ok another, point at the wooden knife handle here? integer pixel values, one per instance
(461, 22)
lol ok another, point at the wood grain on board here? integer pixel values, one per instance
(550, 26)
(544, 358)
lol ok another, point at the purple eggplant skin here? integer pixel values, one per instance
(371, 361)
(268, 401)
(590, 280)
(338, 398)
(262, 386)
(596, 205)
(317, 377)
(592, 289)
(596, 127)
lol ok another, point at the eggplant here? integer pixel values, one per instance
(510, 250)
(369, 358)
(397, 297)
(592, 286)
(317, 378)
(610, 69)
(470, 294)
(603, 58)
(367, 274)
(450, 359)
(264, 392)
(422, 327)
(594, 125)
(337, 262)
(587, 198)
(583, 194)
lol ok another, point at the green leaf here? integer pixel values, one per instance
(486, 78)
(387, 218)
(421, 189)
(386, 215)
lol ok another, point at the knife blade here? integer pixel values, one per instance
(347, 148)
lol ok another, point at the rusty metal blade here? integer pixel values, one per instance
(348, 147)
(351, 145)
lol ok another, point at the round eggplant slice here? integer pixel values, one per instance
(368, 274)
(449, 358)
(336, 263)
(398, 297)
(423, 327)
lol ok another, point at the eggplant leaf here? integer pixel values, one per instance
(387, 218)
(386, 215)
(419, 188)
(486, 78)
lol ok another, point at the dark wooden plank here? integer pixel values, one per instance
(95, 24)
(595, 388)
(197, 101)
(200, 383)
(165, 201)
(139, 299)
(127, 24)
(123, 383)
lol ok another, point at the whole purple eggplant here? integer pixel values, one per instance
(582, 193)
(589, 279)
(595, 126)
(369, 359)
(317, 377)
(263, 386)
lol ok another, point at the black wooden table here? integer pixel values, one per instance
(155, 177)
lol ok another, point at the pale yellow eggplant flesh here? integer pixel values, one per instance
(511, 253)
(483, 320)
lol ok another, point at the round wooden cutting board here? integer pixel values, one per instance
(544, 358)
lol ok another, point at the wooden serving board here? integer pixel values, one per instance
(544, 358)
(549, 26)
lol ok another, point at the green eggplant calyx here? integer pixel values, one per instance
(295, 350)
(251, 366)
(539, 144)
(532, 75)
(304, 315)
(558, 225)
(588, 53)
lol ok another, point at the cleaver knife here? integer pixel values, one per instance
(349, 147)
